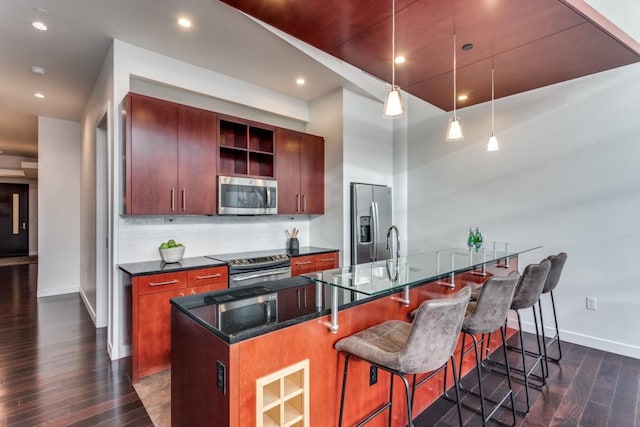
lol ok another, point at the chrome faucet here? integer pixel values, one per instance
(395, 229)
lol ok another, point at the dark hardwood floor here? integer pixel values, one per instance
(54, 368)
(55, 371)
(589, 388)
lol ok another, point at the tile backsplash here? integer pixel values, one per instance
(139, 237)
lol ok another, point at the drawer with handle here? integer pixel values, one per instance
(208, 276)
(161, 282)
(326, 261)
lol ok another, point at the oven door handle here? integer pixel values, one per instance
(265, 273)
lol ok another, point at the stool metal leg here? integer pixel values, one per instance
(556, 338)
(456, 386)
(545, 361)
(344, 387)
(506, 361)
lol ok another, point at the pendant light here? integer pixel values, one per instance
(454, 131)
(492, 144)
(393, 107)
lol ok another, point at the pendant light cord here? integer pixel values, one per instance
(492, 102)
(393, 44)
(455, 93)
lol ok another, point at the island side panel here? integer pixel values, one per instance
(311, 340)
(195, 397)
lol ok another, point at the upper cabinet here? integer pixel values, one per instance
(170, 158)
(300, 172)
(246, 148)
(174, 154)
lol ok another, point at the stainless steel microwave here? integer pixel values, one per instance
(247, 196)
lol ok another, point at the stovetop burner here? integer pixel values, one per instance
(258, 258)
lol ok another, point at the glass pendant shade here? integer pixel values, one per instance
(492, 144)
(393, 107)
(454, 131)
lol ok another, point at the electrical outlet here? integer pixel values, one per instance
(373, 375)
(221, 377)
(592, 303)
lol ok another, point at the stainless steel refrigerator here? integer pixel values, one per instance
(371, 217)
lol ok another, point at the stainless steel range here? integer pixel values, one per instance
(248, 268)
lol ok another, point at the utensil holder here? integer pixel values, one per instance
(293, 245)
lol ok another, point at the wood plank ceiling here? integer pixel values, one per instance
(530, 43)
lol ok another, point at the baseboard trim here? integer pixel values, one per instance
(87, 305)
(587, 340)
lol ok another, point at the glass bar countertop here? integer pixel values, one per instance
(387, 275)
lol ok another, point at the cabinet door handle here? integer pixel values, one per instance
(303, 262)
(304, 203)
(170, 282)
(173, 199)
(208, 276)
(325, 259)
(298, 292)
(305, 297)
(297, 203)
(184, 199)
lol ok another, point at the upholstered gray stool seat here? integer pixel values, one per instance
(403, 348)
(484, 316)
(527, 295)
(557, 264)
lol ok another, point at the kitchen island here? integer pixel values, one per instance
(286, 371)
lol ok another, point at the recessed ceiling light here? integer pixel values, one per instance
(184, 22)
(300, 81)
(463, 98)
(38, 95)
(39, 25)
(38, 70)
(41, 11)
(400, 59)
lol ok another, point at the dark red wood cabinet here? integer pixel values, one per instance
(170, 158)
(300, 172)
(246, 148)
(308, 263)
(151, 313)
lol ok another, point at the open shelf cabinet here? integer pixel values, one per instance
(245, 149)
(282, 398)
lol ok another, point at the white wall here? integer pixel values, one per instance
(58, 206)
(566, 177)
(326, 120)
(94, 274)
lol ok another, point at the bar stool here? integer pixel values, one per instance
(484, 316)
(526, 295)
(402, 348)
(557, 263)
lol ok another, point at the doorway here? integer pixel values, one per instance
(14, 218)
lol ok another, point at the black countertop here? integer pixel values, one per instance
(199, 308)
(158, 266)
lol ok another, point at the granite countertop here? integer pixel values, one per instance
(204, 312)
(159, 266)
(310, 250)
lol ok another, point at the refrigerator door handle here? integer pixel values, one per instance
(374, 231)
